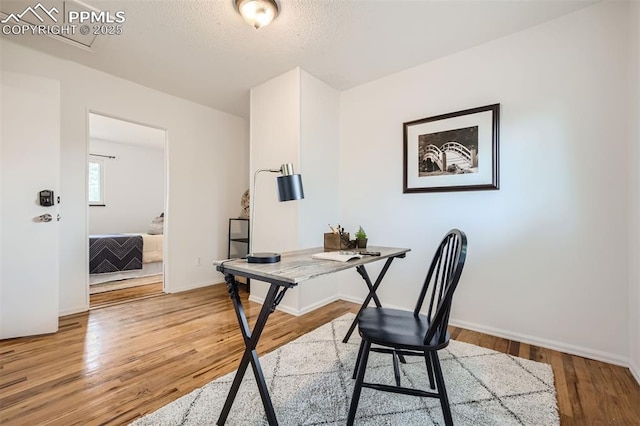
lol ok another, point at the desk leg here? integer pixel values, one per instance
(250, 355)
(372, 293)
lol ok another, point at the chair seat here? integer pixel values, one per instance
(397, 328)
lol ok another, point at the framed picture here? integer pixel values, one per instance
(457, 151)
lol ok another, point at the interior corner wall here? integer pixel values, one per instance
(547, 257)
(295, 118)
(319, 164)
(274, 140)
(207, 172)
(134, 188)
(634, 195)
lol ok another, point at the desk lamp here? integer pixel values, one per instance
(289, 188)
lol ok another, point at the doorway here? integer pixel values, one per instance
(126, 199)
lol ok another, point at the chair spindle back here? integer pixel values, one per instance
(440, 283)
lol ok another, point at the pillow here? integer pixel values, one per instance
(157, 225)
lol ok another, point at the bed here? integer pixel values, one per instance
(124, 256)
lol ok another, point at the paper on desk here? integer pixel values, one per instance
(338, 256)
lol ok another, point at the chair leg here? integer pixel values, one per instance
(427, 361)
(357, 389)
(355, 369)
(442, 391)
(396, 368)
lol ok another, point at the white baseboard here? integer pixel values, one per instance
(281, 307)
(256, 299)
(545, 343)
(635, 371)
(191, 287)
(72, 311)
(319, 304)
(352, 299)
(297, 312)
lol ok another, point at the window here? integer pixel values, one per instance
(96, 182)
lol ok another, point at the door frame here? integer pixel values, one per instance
(165, 240)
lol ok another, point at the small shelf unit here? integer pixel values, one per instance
(238, 244)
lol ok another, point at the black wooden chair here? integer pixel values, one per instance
(405, 333)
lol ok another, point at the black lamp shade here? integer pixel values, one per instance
(290, 188)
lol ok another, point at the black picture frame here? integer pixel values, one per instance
(458, 151)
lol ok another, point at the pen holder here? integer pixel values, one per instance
(337, 241)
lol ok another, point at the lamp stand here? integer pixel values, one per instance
(289, 188)
(258, 257)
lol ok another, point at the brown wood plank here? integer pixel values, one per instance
(108, 298)
(114, 364)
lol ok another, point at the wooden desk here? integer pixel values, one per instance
(294, 267)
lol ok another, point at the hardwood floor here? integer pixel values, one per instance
(108, 298)
(114, 364)
(589, 392)
(122, 284)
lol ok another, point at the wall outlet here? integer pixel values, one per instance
(198, 261)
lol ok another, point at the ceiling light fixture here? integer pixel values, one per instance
(257, 13)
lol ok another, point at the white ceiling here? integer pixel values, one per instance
(204, 51)
(120, 131)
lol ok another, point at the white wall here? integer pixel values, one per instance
(634, 196)
(294, 118)
(134, 188)
(274, 139)
(319, 155)
(547, 259)
(207, 169)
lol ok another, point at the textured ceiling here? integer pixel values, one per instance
(205, 52)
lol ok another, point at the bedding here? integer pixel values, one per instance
(157, 225)
(152, 248)
(113, 253)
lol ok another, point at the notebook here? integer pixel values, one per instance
(338, 256)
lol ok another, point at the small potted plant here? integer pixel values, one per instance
(361, 238)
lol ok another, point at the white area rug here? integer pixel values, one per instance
(310, 384)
